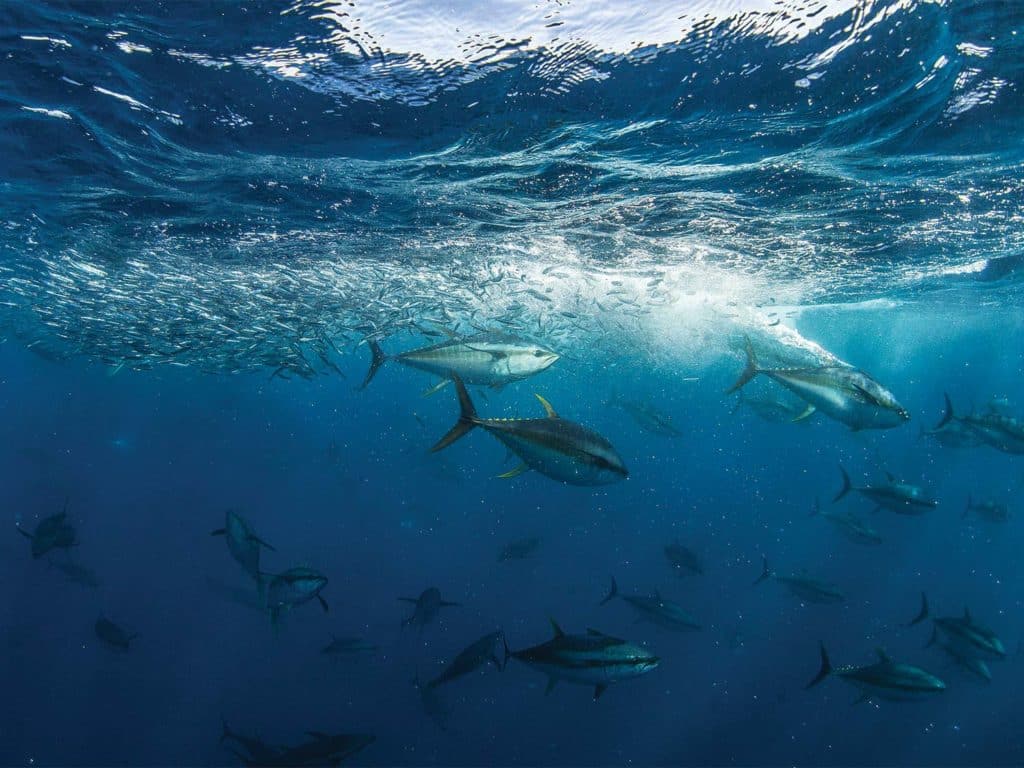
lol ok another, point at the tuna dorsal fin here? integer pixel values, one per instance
(594, 632)
(890, 476)
(555, 628)
(883, 656)
(547, 407)
(599, 689)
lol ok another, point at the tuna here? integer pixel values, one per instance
(803, 586)
(840, 392)
(555, 447)
(283, 591)
(474, 656)
(655, 609)
(243, 544)
(851, 527)
(492, 359)
(962, 635)
(903, 498)
(993, 428)
(683, 558)
(112, 635)
(594, 659)
(428, 605)
(885, 679)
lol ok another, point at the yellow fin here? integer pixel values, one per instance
(437, 387)
(807, 412)
(547, 407)
(513, 472)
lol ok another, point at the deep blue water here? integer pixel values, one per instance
(207, 209)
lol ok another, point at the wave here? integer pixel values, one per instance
(243, 186)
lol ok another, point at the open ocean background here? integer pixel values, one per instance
(205, 208)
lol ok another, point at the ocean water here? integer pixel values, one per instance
(208, 211)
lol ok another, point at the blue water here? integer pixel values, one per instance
(206, 209)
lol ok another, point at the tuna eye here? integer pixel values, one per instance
(538, 353)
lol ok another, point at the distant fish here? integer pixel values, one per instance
(994, 429)
(476, 655)
(841, 392)
(963, 634)
(76, 573)
(655, 609)
(803, 586)
(492, 359)
(243, 544)
(853, 528)
(775, 411)
(112, 635)
(519, 549)
(647, 416)
(885, 679)
(593, 659)
(348, 646)
(428, 605)
(904, 498)
(283, 591)
(555, 447)
(682, 558)
(53, 532)
(992, 511)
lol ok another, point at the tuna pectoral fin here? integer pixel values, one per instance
(219, 532)
(612, 592)
(515, 472)
(262, 543)
(323, 603)
(807, 413)
(923, 613)
(846, 486)
(437, 387)
(598, 690)
(825, 671)
(25, 533)
(550, 686)
(378, 359)
(750, 371)
(467, 417)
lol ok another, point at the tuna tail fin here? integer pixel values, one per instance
(750, 370)
(378, 359)
(923, 613)
(948, 416)
(612, 592)
(467, 418)
(826, 668)
(846, 486)
(765, 571)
